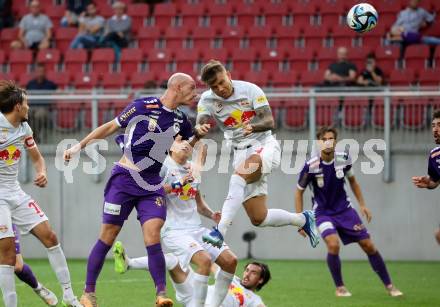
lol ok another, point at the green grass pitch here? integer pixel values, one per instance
(293, 284)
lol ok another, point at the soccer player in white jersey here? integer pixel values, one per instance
(432, 180)
(241, 292)
(242, 111)
(182, 232)
(15, 205)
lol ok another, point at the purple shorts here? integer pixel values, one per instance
(347, 224)
(122, 194)
(17, 239)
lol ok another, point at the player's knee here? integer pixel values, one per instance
(51, 239)
(230, 262)
(333, 247)
(203, 262)
(257, 220)
(368, 247)
(18, 266)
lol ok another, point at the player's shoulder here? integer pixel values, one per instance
(206, 95)
(313, 163)
(435, 152)
(240, 85)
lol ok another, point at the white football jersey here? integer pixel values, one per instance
(230, 113)
(238, 296)
(12, 143)
(181, 204)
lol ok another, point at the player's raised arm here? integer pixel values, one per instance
(101, 132)
(356, 188)
(39, 165)
(205, 210)
(425, 182)
(202, 122)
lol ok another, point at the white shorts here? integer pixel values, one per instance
(17, 207)
(184, 244)
(270, 153)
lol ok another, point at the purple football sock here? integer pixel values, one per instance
(380, 268)
(334, 265)
(27, 276)
(156, 263)
(95, 263)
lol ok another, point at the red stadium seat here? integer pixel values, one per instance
(102, 60)
(163, 13)
(429, 77)
(139, 79)
(192, 12)
(55, 13)
(138, 12)
(131, 60)
(105, 113)
(355, 113)
(114, 80)
(296, 114)
(187, 60)
(414, 113)
(231, 37)
(286, 36)
(86, 81)
(274, 13)
(284, 79)
(215, 54)
(67, 115)
(272, 58)
(74, 60)
(314, 36)
(19, 61)
(219, 12)
(104, 9)
(242, 60)
(300, 58)
(2, 58)
(378, 114)
(50, 58)
(175, 36)
(416, 56)
(247, 13)
(325, 57)
(63, 37)
(62, 79)
(259, 36)
(387, 57)
(7, 76)
(148, 37)
(7, 35)
(260, 78)
(327, 112)
(203, 37)
(158, 59)
(24, 79)
(402, 77)
(311, 78)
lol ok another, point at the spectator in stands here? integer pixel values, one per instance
(75, 10)
(40, 82)
(407, 27)
(371, 75)
(117, 33)
(90, 29)
(39, 114)
(35, 29)
(6, 16)
(342, 72)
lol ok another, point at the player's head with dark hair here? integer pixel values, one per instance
(13, 99)
(255, 276)
(327, 137)
(436, 126)
(215, 75)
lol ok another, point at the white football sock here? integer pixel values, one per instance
(58, 263)
(200, 286)
(141, 263)
(7, 285)
(280, 217)
(221, 287)
(232, 203)
(184, 290)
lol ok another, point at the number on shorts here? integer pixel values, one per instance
(33, 204)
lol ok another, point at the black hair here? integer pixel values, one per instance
(10, 95)
(264, 274)
(436, 114)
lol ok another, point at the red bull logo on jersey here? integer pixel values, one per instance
(186, 192)
(237, 117)
(238, 293)
(10, 155)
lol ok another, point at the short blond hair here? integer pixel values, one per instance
(210, 70)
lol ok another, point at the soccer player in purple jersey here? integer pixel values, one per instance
(25, 274)
(335, 216)
(151, 125)
(432, 180)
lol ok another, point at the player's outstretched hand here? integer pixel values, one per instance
(366, 213)
(216, 217)
(69, 153)
(40, 180)
(180, 145)
(421, 181)
(247, 128)
(202, 130)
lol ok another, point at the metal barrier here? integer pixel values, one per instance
(400, 118)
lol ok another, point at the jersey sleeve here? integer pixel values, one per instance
(135, 108)
(29, 141)
(304, 177)
(202, 107)
(164, 174)
(257, 96)
(433, 169)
